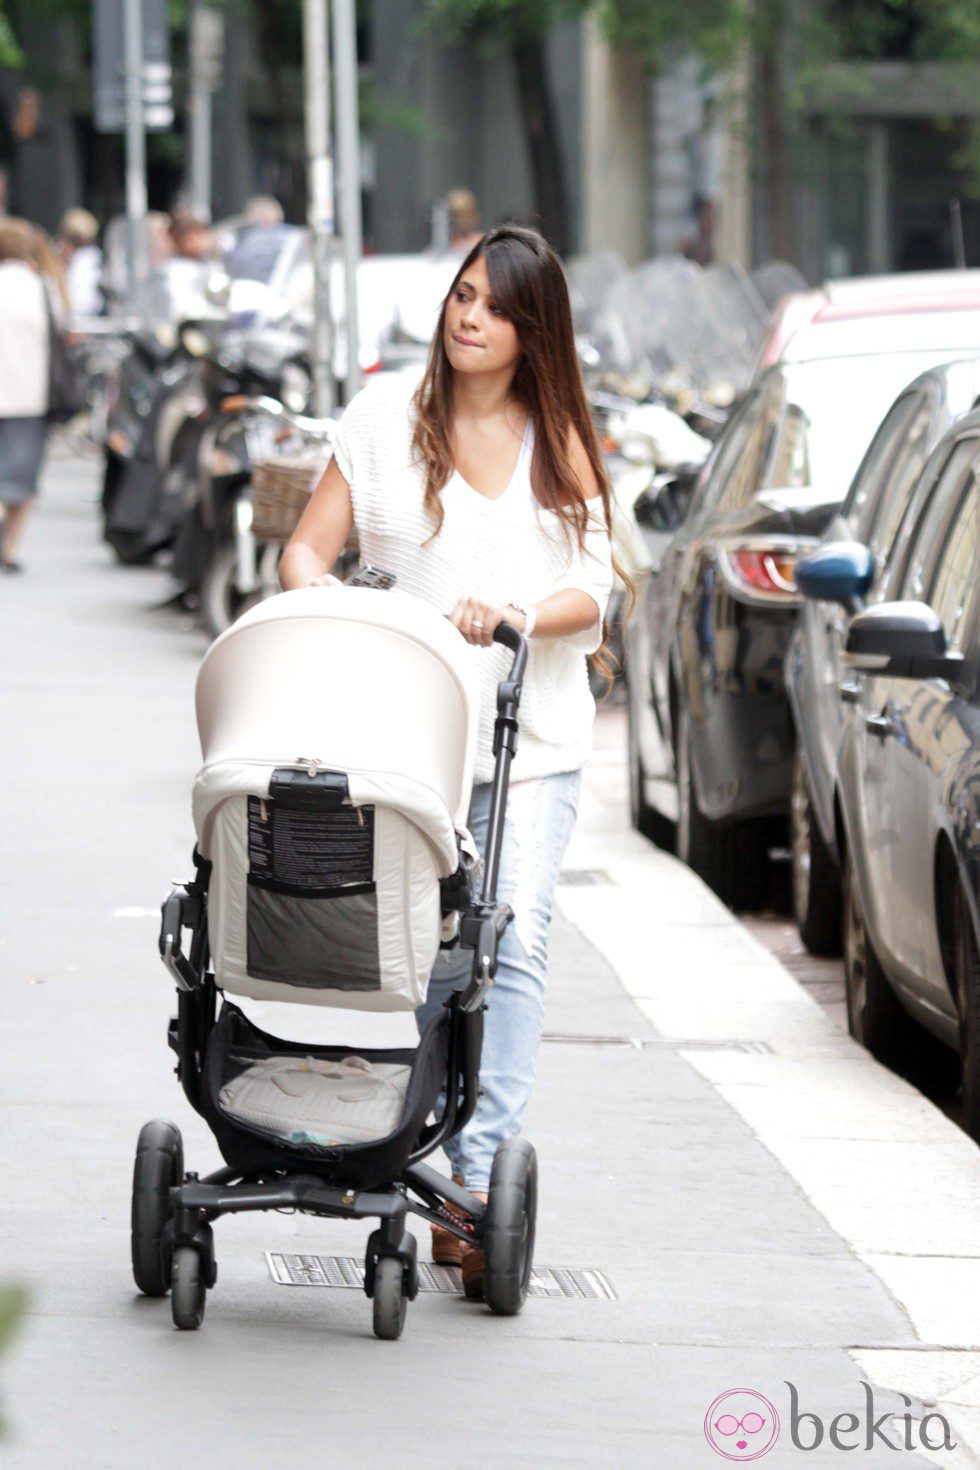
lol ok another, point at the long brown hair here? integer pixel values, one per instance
(20, 240)
(528, 287)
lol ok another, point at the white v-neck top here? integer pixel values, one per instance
(502, 550)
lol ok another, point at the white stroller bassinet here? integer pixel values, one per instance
(337, 727)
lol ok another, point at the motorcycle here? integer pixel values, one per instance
(217, 560)
(155, 395)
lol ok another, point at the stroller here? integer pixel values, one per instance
(332, 864)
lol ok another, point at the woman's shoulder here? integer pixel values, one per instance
(384, 405)
(16, 273)
(22, 290)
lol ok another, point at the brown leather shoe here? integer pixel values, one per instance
(447, 1248)
(471, 1270)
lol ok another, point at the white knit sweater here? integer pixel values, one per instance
(500, 551)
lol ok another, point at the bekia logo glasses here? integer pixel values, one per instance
(741, 1425)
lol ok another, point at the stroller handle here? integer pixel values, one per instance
(508, 635)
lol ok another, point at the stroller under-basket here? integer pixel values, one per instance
(338, 731)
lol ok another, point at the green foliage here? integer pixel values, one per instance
(948, 29)
(709, 28)
(497, 22)
(10, 52)
(824, 29)
(13, 1305)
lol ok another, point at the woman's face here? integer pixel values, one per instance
(478, 339)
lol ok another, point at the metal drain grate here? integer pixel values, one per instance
(347, 1271)
(755, 1048)
(584, 877)
(566, 1039)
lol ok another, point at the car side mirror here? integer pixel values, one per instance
(839, 571)
(666, 501)
(902, 640)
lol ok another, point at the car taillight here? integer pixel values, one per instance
(762, 571)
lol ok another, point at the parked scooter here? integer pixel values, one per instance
(217, 559)
(157, 393)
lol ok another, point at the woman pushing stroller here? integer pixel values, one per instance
(485, 494)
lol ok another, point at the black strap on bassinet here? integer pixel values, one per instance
(309, 790)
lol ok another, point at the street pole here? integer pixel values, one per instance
(136, 205)
(319, 187)
(349, 176)
(199, 106)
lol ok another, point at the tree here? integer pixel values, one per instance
(519, 28)
(789, 42)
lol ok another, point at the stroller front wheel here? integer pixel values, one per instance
(159, 1166)
(188, 1290)
(508, 1226)
(390, 1300)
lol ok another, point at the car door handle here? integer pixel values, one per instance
(850, 693)
(879, 725)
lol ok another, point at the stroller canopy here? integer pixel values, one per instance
(375, 684)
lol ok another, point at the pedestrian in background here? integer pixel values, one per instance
(78, 248)
(30, 314)
(464, 220)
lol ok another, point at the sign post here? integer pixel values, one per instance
(349, 176)
(319, 186)
(132, 78)
(206, 47)
(136, 197)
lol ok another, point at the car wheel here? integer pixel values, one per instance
(732, 858)
(967, 972)
(816, 878)
(643, 817)
(875, 1016)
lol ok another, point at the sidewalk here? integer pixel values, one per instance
(766, 1202)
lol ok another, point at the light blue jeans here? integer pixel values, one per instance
(540, 817)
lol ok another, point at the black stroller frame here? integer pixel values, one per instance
(172, 1239)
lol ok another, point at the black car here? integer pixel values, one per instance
(876, 513)
(710, 733)
(909, 774)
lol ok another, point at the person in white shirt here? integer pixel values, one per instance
(485, 493)
(25, 346)
(78, 246)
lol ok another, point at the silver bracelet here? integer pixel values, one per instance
(530, 616)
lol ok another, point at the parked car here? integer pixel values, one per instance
(710, 732)
(909, 774)
(799, 312)
(875, 514)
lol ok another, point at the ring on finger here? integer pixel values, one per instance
(476, 623)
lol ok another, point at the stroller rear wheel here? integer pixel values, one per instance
(189, 1288)
(159, 1166)
(390, 1298)
(508, 1226)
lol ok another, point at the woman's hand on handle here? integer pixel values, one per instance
(477, 620)
(561, 615)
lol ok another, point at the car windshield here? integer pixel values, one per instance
(822, 415)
